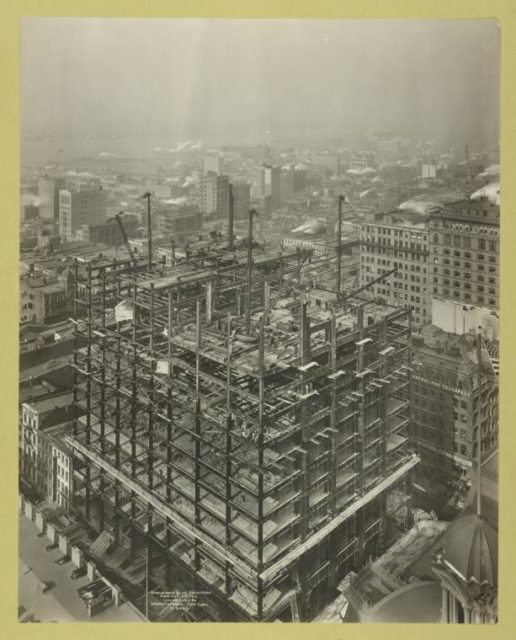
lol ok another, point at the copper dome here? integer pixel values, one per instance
(471, 547)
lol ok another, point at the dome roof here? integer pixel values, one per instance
(417, 602)
(471, 546)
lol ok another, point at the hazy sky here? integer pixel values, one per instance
(230, 80)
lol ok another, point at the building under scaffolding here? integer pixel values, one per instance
(246, 446)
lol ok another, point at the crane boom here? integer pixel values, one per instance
(365, 286)
(373, 281)
(124, 236)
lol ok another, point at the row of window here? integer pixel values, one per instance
(30, 420)
(399, 265)
(465, 242)
(458, 274)
(62, 487)
(397, 251)
(464, 296)
(61, 456)
(457, 263)
(467, 274)
(62, 472)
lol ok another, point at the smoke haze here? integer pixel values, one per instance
(245, 80)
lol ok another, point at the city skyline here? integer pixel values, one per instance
(309, 80)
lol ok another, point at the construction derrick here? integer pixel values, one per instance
(257, 465)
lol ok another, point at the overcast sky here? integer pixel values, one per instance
(230, 80)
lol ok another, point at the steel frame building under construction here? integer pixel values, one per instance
(251, 446)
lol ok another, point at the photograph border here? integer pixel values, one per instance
(505, 12)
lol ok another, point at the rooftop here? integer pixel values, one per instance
(52, 402)
(32, 392)
(467, 210)
(56, 434)
(449, 352)
(49, 366)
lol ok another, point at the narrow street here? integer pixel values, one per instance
(61, 603)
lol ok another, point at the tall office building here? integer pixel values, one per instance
(273, 184)
(215, 195)
(80, 204)
(257, 176)
(398, 240)
(328, 160)
(447, 407)
(300, 178)
(429, 171)
(48, 192)
(241, 192)
(266, 183)
(287, 182)
(464, 237)
(179, 221)
(214, 163)
(209, 193)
